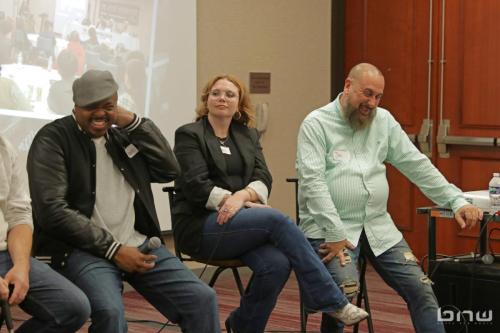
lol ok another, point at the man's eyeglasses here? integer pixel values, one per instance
(368, 93)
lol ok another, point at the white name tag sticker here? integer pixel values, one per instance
(131, 150)
(225, 150)
(341, 155)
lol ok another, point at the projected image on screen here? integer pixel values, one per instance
(149, 46)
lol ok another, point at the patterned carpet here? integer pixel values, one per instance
(388, 309)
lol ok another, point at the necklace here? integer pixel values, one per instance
(222, 141)
(224, 149)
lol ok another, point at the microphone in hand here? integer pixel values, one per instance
(152, 244)
(7, 315)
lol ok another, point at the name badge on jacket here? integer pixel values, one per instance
(341, 155)
(225, 150)
(131, 150)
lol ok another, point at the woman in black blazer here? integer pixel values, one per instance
(221, 211)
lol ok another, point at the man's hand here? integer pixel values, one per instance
(331, 249)
(19, 240)
(19, 278)
(123, 117)
(131, 260)
(468, 215)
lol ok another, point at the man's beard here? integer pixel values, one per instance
(353, 116)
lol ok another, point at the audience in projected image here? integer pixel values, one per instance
(134, 79)
(22, 45)
(92, 42)
(36, 37)
(24, 13)
(6, 27)
(11, 96)
(60, 98)
(46, 42)
(75, 46)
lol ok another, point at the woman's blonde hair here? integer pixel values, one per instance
(245, 107)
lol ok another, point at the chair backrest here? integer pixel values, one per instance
(296, 183)
(171, 200)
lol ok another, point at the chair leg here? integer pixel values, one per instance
(237, 279)
(236, 275)
(369, 320)
(363, 297)
(216, 275)
(303, 318)
(249, 283)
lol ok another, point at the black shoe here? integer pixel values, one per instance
(228, 325)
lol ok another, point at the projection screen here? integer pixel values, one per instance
(148, 45)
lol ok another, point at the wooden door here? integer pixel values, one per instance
(470, 93)
(402, 37)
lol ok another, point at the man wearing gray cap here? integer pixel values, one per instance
(90, 178)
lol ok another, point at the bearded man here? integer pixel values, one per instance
(343, 192)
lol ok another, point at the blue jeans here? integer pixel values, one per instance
(170, 287)
(55, 304)
(400, 270)
(271, 245)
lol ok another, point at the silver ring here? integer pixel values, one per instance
(225, 210)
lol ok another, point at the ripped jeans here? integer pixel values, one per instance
(399, 269)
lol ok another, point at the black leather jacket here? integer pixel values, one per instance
(61, 170)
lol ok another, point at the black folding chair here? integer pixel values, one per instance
(221, 265)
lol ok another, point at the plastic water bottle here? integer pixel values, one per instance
(494, 189)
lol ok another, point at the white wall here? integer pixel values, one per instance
(291, 40)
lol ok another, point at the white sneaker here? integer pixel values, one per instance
(349, 314)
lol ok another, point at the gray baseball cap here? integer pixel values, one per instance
(93, 86)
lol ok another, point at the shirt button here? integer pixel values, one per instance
(137, 191)
(63, 264)
(93, 165)
(93, 192)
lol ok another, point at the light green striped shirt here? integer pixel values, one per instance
(343, 185)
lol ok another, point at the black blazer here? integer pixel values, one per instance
(202, 167)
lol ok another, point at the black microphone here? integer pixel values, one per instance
(153, 244)
(486, 259)
(6, 315)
